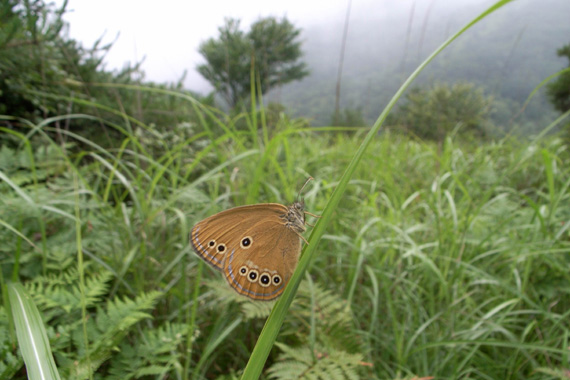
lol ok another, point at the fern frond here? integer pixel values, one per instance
(298, 363)
(256, 309)
(334, 319)
(329, 307)
(154, 355)
(106, 331)
(61, 290)
(122, 314)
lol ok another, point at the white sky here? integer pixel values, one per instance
(168, 33)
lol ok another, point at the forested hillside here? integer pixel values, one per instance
(508, 55)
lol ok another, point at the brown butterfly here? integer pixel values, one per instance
(256, 247)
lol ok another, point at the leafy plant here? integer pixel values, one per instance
(304, 363)
(436, 112)
(157, 354)
(559, 90)
(271, 48)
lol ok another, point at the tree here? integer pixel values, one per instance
(433, 113)
(271, 46)
(559, 90)
(28, 49)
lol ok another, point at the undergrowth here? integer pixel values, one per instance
(448, 260)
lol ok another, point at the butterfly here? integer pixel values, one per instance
(256, 247)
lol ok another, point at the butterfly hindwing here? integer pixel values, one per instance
(262, 271)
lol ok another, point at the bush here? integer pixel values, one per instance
(435, 112)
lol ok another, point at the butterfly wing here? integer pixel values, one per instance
(211, 236)
(252, 246)
(262, 271)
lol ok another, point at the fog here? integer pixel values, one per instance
(508, 53)
(167, 37)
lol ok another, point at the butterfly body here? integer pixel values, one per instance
(256, 247)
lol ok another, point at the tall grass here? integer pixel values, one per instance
(451, 262)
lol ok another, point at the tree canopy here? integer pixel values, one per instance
(271, 47)
(559, 90)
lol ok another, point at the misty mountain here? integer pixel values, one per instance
(508, 54)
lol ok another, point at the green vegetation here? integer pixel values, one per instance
(436, 112)
(559, 90)
(448, 263)
(504, 58)
(43, 74)
(446, 257)
(272, 48)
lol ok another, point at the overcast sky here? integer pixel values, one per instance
(168, 34)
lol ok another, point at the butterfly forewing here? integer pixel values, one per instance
(203, 238)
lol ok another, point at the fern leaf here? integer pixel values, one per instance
(153, 354)
(107, 330)
(61, 290)
(298, 363)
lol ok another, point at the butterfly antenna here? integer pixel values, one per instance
(306, 182)
(311, 214)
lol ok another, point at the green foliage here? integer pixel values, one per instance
(43, 74)
(36, 60)
(271, 48)
(349, 118)
(424, 273)
(28, 55)
(305, 363)
(277, 51)
(33, 341)
(11, 362)
(57, 295)
(155, 355)
(316, 311)
(436, 112)
(559, 90)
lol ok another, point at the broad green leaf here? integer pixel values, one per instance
(31, 334)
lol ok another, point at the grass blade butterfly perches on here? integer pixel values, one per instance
(273, 324)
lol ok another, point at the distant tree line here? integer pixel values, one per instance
(44, 73)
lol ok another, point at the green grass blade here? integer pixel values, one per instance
(32, 337)
(273, 324)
